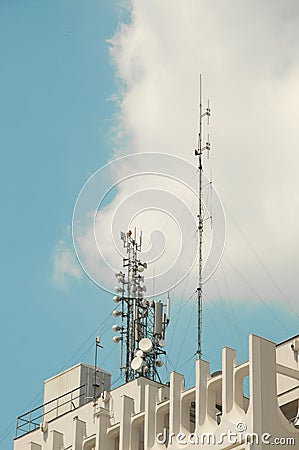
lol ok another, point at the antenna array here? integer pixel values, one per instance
(199, 151)
(142, 332)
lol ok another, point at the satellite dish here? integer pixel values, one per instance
(141, 266)
(44, 426)
(105, 396)
(145, 345)
(162, 343)
(139, 353)
(137, 363)
(159, 363)
(295, 345)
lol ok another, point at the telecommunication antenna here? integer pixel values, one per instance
(201, 216)
(96, 385)
(144, 322)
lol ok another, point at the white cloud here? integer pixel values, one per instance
(248, 55)
(65, 266)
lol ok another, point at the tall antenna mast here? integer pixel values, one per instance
(199, 153)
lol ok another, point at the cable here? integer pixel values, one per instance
(221, 304)
(263, 264)
(170, 362)
(85, 342)
(185, 334)
(186, 362)
(214, 360)
(229, 297)
(257, 295)
(177, 314)
(10, 427)
(225, 315)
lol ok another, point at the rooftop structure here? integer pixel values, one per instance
(144, 414)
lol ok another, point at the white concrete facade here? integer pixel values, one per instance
(135, 416)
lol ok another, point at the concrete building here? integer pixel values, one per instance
(81, 414)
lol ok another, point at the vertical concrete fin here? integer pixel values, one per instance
(214, 392)
(34, 446)
(202, 375)
(149, 417)
(228, 365)
(102, 440)
(176, 387)
(56, 440)
(263, 395)
(79, 433)
(127, 409)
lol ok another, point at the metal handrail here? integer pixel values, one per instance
(31, 424)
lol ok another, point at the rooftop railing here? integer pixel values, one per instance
(32, 420)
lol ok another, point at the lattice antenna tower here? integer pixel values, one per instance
(199, 153)
(143, 321)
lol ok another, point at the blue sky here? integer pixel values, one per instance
(56, 79)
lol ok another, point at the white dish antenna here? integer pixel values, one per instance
(161, 343)
(44, 426)
(139, 353)
(145, 345)
(137, 363)
(105, 396)
(295, 345)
